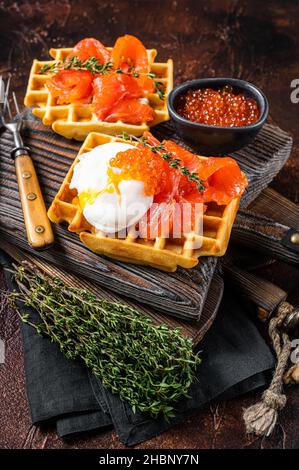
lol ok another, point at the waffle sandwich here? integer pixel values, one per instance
(162, 253)
(77, 121)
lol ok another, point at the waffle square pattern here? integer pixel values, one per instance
(77, 121)
(162, 253)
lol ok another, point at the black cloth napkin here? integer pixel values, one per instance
(235, 360)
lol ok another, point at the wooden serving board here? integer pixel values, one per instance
(194, 329)
(182, 293)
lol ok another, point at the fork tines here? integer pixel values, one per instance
(4, 100)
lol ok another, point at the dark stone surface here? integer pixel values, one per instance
(254, 40)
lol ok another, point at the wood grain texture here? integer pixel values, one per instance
(37, 223)
(265, 235)
(274, 205)
(181, 293)
(259, 291)
(255, 41)
(194, 329)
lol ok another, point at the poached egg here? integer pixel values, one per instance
(106, 207)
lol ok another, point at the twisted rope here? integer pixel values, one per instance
(261, 418)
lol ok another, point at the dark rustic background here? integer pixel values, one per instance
(256, 41)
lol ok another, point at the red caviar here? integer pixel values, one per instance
(222, 107)
(140, 164)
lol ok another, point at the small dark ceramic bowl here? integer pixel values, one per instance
(217, 140)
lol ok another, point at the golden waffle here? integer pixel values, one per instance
(162, 253)
(77, 121)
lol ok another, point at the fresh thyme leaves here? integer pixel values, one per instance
(159, 86)
(160, 89)
(169, 157)
(92, 65)
(149, 366)
(74, 63)
(47, 68)
(130, 72)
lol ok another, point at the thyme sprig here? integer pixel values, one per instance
(131, 71)
(172, 160)
(149, 366)
(92, 65)
(160, 88)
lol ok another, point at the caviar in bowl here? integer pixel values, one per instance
(218, 115)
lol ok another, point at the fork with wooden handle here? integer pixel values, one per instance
(37, 223)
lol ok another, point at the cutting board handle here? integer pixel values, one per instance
(267, 236)
(38, 226)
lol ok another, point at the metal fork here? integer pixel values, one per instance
(38, 226)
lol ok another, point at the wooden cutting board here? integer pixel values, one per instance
(182, 293)
(194, 329)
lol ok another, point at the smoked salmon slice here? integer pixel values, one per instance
(132, 111)
(225, 183)
(189, 159)
(150, 139)
(116, 91)
(90, 47)
(108, 90)
(221, 176)
(116, 97)
(222, 181)
(130, 55)
(158, 221)
(71, 86)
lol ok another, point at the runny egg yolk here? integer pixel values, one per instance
(87, 197)
(139, 164)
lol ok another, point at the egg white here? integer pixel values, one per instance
(109, 212)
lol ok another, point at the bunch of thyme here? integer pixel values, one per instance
(149, 366)
(94, 66)
(169, 157)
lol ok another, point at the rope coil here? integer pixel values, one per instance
(261, 418)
